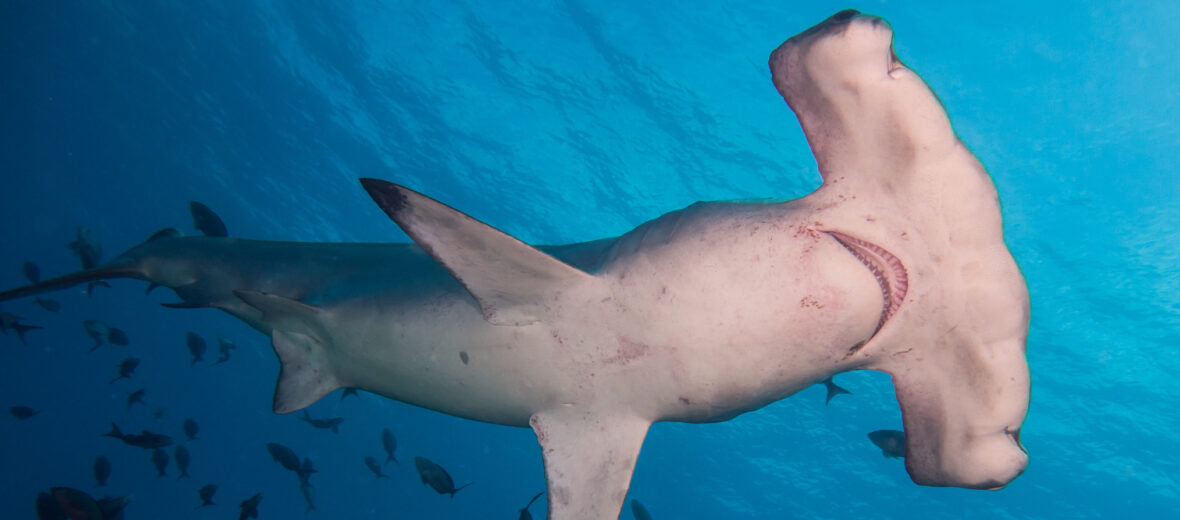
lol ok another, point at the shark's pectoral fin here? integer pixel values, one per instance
(511, 280)
(299, 341)
(589, 457)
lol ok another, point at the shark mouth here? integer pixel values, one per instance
(886, 268)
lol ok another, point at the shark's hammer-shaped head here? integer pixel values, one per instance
(908, 198)
(860, 107)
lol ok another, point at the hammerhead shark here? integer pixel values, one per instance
(896, 263)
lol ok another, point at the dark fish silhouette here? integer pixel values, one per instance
(306, 470)
(348, 390)
(638, 511)
(135, 397)
(87, 248)
(117, 337)
(101, 334)
(308, 495)
(160, 461)
(159, 413)
(31, 271)
(96, 331)
(126, 369)
(249, 507)
(191, 429)
(21, 329)
(196, 345)
(330, 423)
(90, 254)
(375, 467)
(436, 477)
(145, 439)
(206, 494)
(833, 389)
(224, 347)
(112, 508)
(891, 442)
(62, 503)
(389, 442)
(12, 321)
(22, 412)
(7, 320)
(524, 511)
(206, 221)
(47, 304)
(102, 470)
(285, 456)
(182, 459)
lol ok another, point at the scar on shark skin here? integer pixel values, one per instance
(696, 316)
(810, 301)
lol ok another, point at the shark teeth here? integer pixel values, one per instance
(886, 268)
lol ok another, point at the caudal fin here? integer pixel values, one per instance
(114, 432)
(460, 488)
(126, 265)
(833, 390)
(102, 272)
(21, 329)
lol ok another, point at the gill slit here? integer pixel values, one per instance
(886, 268)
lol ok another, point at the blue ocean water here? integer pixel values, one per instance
(561, 122)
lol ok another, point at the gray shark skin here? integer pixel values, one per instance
(896, 263)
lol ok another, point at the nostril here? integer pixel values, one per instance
(1015, 434)
(894, 63)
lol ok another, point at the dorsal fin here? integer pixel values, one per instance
(511, 280)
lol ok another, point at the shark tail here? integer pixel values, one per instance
(114, 432)
(103, 272)
(126, 265)
(21, 329)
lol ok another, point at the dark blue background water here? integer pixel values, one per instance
(561, 122)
